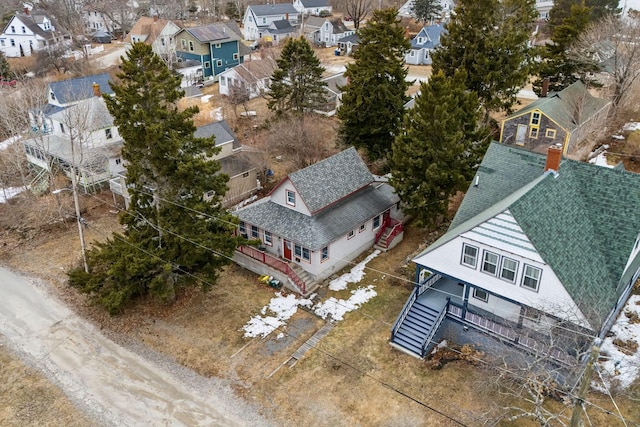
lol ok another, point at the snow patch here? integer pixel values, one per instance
(8, 193)
(631, 126)
(338, 308)
(354, 276)
(281, 307)
(617, 366)
(7, 142)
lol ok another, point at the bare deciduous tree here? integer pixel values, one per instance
(302, 140)
(358, 10)
(611, 46)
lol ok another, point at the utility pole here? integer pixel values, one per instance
(585, 380)
(76, 202)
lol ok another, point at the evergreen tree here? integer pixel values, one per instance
(598, 9)
(489, 40)
(373, 100)
(426, 10)
(5, 68)
(440, 147)
(556, 65)
(172, 234)
(296, 84)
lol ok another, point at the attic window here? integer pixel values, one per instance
(551, 133)
(108, 134)
(535, 119)
(420, 40)
(291, 198)
(191, 45)
(53, 96)
(24, 30)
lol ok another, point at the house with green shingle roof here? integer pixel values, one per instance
(317, 220)
(567, 117)
(538, 243)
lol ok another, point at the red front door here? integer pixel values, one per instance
(287, 249)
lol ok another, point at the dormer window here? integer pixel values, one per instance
(291, 198)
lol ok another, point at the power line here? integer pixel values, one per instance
(510, 372)
(497, 310)
(384, 383)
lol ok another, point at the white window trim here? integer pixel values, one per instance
(475, 263)
(515, 272)
(475, 294)
(268, 240)
(484, 260)
(255, 232)
(363, 227)
(350, 234)
(525, 276)
(286, 197)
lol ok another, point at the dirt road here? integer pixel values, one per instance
(111, 384)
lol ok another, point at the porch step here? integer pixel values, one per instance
(416, 327)
(303, 275)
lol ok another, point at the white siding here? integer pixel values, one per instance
(280, 196)
(496, 305)
(503, 236)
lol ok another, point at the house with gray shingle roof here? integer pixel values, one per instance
(539, 244)
(567, 117)
(278, 31)
(258, 17)
(425, 42)
(29, 32)
(317, 220)
(326, 31)
(216, 47)
(313, 7)
(76, 128)
(250, 79)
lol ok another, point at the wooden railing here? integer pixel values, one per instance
(276, 263)
(434, 329)
(431, 280)
(383, 227)
(405, 311)
(397, 229)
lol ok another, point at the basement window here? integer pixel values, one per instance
(480, 294)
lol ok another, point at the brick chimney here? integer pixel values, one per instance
(26, 10)
(554, 157)
(545, 87)
(96, 89)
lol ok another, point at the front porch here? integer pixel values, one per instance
(438, 297)
(263, 263)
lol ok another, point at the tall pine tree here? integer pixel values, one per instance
(296, 85)
(440, 147)
(373, 100)
(489, 40)
(556, 65)
(172, 234)
(426, 10)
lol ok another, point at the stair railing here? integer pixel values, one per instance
(434, 329)
(404, 312)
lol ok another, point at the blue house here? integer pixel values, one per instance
(423, 44)
(216, 46)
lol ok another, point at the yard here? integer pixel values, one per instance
(350, 377)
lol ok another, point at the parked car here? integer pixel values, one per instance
(5, 82)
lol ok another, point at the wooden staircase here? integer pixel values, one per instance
(417, 327)
(310, 283)
(383, 242)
